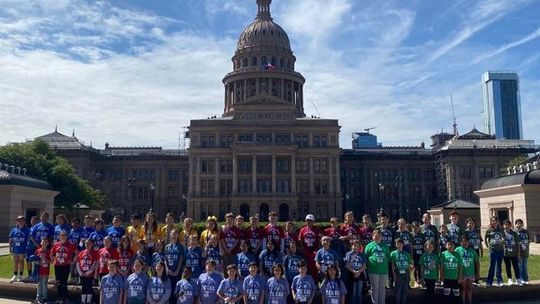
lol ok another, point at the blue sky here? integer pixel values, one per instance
(134, 72)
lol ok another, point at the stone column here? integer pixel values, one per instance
(245, 89)
(257, 86)
(235, 174)
(293, 174)
(254, 174)
(330, 177)
(282, 93)
(274, 174)
(216, 176)
(198, 176)
(311, 180)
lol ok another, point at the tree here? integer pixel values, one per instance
(516, 161)
(44, 163)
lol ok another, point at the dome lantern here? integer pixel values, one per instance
(264, 10)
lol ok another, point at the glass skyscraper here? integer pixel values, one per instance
(502, 105)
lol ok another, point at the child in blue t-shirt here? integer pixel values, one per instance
(193, 257)
(112, 285)
(186, 291)
(136, 284)
(292, 262)
(244, 258)
(18, 238)
(355, 263)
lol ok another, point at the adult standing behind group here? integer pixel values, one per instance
(309, 236)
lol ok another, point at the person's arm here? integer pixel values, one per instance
(101, 296)
(441, 271)
(79, 270)
(342, 299)
(263, 295)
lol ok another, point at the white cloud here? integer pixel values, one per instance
(120, 76)
(532, 36)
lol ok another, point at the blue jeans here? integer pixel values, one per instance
(523, 273)
(495, 266)
(42, 287)
(355, 291)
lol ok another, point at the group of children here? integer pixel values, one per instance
(145, 263)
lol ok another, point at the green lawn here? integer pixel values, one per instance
(6, 267)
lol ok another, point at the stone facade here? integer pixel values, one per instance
(22, 195)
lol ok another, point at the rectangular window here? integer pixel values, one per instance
(207, 166)
(264, 185)
(225, 186)
(245, 137)
(174, 175)
(264, 137)
(302, 166)
(225, 141)
(245, 165)
(225, 166)
(208, 141)
(283, 186)
(283, 139)
(282, 166)
(264, 165)
(244, 186)
(301, 140)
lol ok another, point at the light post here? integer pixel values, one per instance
(399, 185)
(152, 191)
(131, 184)
(381, 193)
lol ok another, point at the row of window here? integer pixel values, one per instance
(264, 185)
(264, 166)
(466, 172)
(225, 141)
(264, 60)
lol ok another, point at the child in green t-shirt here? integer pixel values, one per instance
(471, 269)
(524, 240)
(512, 252)
(429, 269)
(401, 264)
(451, 270)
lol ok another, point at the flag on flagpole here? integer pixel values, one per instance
(268, 66)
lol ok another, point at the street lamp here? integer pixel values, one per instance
(399, 185)
(152, 191)
(131, 184)
(381, 193)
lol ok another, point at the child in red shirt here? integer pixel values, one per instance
(87, 262)
(106, 254)
(62, 254)
(42, 254)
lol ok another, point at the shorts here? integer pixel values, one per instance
(20, 255)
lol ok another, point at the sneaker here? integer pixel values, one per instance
(510, 282)
(526, 282)
(500, 284)
(13, 279)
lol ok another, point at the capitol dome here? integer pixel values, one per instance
(264, 33)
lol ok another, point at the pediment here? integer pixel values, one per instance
(265, 99)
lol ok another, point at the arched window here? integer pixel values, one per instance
(283, 212)
(244, 62)
(289, 65)
(254, 61)
(264, 209)
(273, 61)
(263, 60)
(244, 210)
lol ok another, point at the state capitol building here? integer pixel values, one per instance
(263, 154)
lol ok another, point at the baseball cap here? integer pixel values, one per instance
(20, 217)
(310, 217)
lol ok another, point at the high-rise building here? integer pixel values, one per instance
(364, 140)
(502, 106)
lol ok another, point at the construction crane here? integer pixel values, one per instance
(368, 129)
